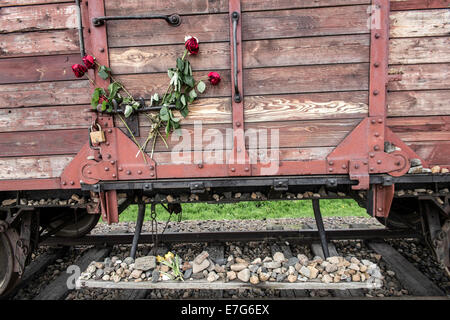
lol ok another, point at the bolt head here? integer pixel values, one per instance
(233, 169)
(128, 172)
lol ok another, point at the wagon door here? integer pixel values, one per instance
(140, 52)
(301, 72)
(305, 78)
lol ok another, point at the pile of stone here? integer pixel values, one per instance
(274, 269)
(74, 200)
(417, 167)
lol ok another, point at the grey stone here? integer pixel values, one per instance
(212, 276)
(145, 263)
(99, 273)
(244, 275)
(305, 271)
(238, 266)
(280, 277)
(331, 267)
(278, 257)
(187, 274)
(128, 260)
(200, 267)
(292, 261)
(272, 265)
(253, 268)
(155, 276)
(201, 257)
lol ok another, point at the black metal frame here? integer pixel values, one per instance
(259, 182)
(172, 19)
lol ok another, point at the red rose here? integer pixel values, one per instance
(101, 99)
(191, 44)
(89, 61)
(79, 70)
(214, 78)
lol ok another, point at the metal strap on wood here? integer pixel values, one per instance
(238, 164)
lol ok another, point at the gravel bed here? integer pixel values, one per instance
(411, 249)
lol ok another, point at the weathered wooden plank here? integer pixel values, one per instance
(255, 26)
(207, 28)
(259, 53)
(283, 154)
(419, 4)
(305, 22)
(256, 5)
(39, 43)
(58, 288)
(38, 18)
(415, 103)
(305, 51)
(419, 23)
(145, 85)
(218, 285)
(420, 76)
(45, 94)
(419, 50)
(35, 69)
(421, 128)
(33, 167)
(416, 282)
(32, 143)
(212, 56)
(305, 106)
(10, 3)
(337, 105)
(317, 78)
(434, 152)
(44, 118)
(217, 136)
(127, 7)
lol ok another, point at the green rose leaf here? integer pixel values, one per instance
(189, 80)
(184, 112)
(128, 111)
(164, 113)
(183, 100)
(201, 86)
(103, 72)
(156, 97)
(180, 64)
(113, 88)
(187, 65)
(96, 97)
(104, 104)
(192, 94)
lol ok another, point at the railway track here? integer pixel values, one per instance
(305, 236)
(418, 285)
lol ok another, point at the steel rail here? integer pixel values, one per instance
(306, 236)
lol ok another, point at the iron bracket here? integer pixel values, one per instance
(280, 184)
(197, 187)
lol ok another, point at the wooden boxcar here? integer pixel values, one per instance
(347, 96)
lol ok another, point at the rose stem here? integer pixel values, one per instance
(134, 139)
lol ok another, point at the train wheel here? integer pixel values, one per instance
(8, 278)
(79, 227)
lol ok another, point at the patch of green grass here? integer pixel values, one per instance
(254, 210)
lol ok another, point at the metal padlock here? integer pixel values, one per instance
(97, 136)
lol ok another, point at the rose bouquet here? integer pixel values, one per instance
(181, 91)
